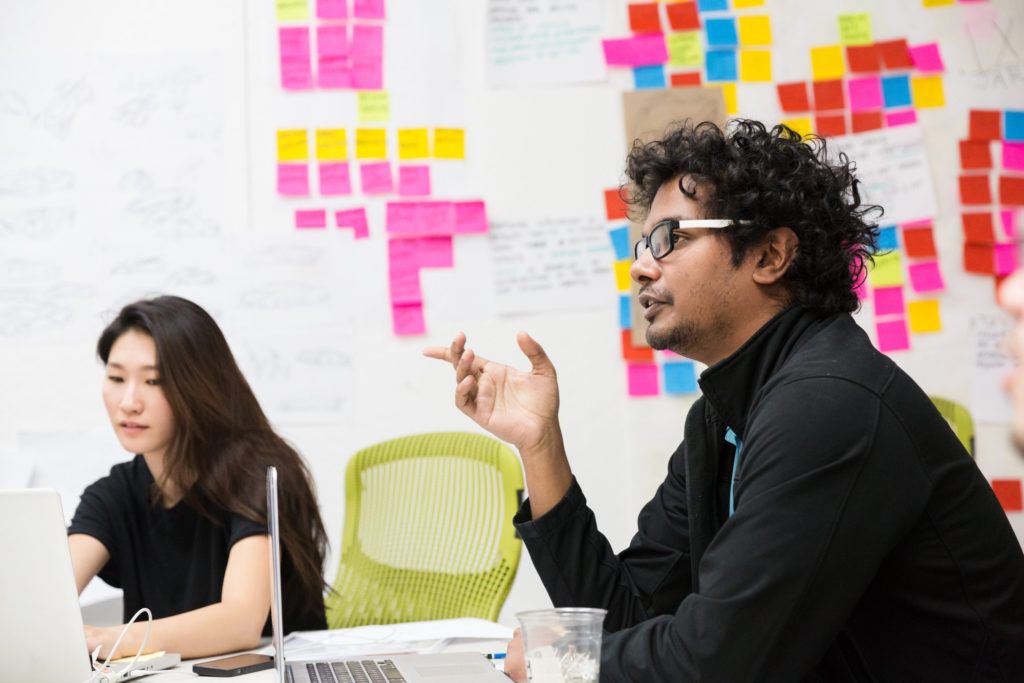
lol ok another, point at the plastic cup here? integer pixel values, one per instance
(562, 645)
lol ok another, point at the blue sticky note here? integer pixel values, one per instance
(721, 65)
(712, 5)
(625, 316)
(646, 77)
(896, 91)
(887, 240)
(680, 377)
(620, 242)
(1013, 126)
(721, 32)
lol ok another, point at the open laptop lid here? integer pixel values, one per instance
(276, 624)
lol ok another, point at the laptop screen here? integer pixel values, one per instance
(277, 626)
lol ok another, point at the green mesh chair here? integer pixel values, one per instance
(428, 531)
(959, 418)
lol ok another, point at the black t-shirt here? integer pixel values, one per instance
(171, 560)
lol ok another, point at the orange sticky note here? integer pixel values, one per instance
(615, 205)
(828, 125)
(827, 62)
(986, 124)
(975, 154)
(793, 97)
(635, 353)
(829, 95)
(975, 189)
(919, 242)
(643, 18)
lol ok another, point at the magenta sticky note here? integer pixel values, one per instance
(407, 319)
(642, 379)
(926, 58)
(413, 181)
(889, 301)
(404, 271)
(644, 49)
(355, 219)
(1013, 156)
(367, 75)
(435, 252)
(310, 218)
(375, 177)
(1008, 219)
(1006, 259)
(296, 71)
(893, 335)
(900, 118)
(926, 277)
(331, 9)
(367, 42)
(470, 217)
(420, 218)
(865, 93)
(368, 9)
(293, 180)
(332, 51)
(334, 179)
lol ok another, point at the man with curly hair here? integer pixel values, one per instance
(820, 520)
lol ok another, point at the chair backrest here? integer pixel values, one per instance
(959, 418)
(428, 530)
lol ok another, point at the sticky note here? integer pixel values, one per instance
(680, 377)
(862, 121)
(645, 49)
(755, 29)
(375, 178)
(863, 59)
(373, 106)
(895, 54)
(1008, 220)
(829, 125)
(334, 179)
(721, 32)
(919, 242)
(887, 270)
(685, 80)
(979, 258)
(721, 65)
(1011, 190)
(367, 74)
(855, 29)
(420, 218)
(331, 144)
(743, 4)
(355, 219)
(622, 279)
(865, 93)
(371, 143)
(470, 217)
(712, 5)
(927, 91)
(1013, 126)
(413, 180)
(647, 77)
(975, 155)
(896, 91)
(938, 3)
(310, 218)
(978, 226)
(887, 239)
(639, 354)
(1008, 492)
(367, 42)
(892, 335)
(926, 58)
(793, 97)
(620, 242)
(293, 180)
(642, 379)
(332, 9)
(368, 9)
(924, 316)
(889, 301)
(802, 125)
(292, 145)
(413, 143)
(900, 118)
(985, 125)
(755, 65)
(407, 319)
(643, 17)
(828, 95)
(1013, 155)
(1006, 259)
(449, 143)
(682, 16)
(975, 189)
(296, 70)
(403, 271)
(332, 57)
(615, 206)
(728, 95)
(684, 49)
(827, 62)
(926, 277)
(291, 10)
(625, 313)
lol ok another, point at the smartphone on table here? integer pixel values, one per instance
(233, 666)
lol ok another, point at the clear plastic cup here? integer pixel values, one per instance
(562, 645)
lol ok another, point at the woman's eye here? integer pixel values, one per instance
(153, 382)
(115, 379)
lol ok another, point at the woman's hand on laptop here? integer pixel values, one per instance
(515, 662)
(98, 636)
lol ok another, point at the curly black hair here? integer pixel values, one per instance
(769, 179)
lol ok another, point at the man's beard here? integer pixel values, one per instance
(680, 338)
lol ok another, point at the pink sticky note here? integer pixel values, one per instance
(892, 335)
(470, 217)
(407, 319)
(355, 219)
(644, 49)
(375, 177)
(865, 93)
(1008, 219)
(296, 71)
(404, 271)
(413, 180)
(435, 252)
(334, 179)
(919, 223)
(331, 9)
(900, 118)
(926, 57)
(368, 9)
(310, 218)
(1013, 156)
(367, 42)
(889, 301)
(1006, 258)
(420, 218)
(367, 74)
(293, 180)
(643, 379)
(332, 57)
(926, 277)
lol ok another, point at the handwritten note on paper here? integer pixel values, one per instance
(293, 180)
(335, 179)
(449, 143)
(331, 144)
(374, 107)
(355, 219)
(550, 264)
(855, 29)
(991, 363)
(375, 178)
(296, 71)
(470, 217)
(420, 218)
(371, 143)
(413, 181)
(332, 54)
(413, 143)
(544, 42)
(292, 145)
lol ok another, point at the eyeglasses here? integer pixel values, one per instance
(662, 238)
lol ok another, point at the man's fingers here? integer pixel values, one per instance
(465, 394)
(538, 359)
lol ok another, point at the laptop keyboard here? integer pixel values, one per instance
(365, 671)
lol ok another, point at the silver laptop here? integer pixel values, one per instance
(41, 634)
(455, 667)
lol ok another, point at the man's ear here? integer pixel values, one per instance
(775, 255)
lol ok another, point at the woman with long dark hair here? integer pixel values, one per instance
(181, 528)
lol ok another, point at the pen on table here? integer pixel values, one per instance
(495, 655)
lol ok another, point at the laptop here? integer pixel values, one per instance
(455, 667)
(41, 635)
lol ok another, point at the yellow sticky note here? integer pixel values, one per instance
(938, 3)
(728, 95)
(449, 143)
(413, 143)
(924, 316)
(292, 10)
(740, 4)
(622, 281)
(331, 144)
(801, 125)
(887, 270)
(927, 91)
(371, 143)
(827, 62)
(755, 65)
(684, 49)
(855, 29)
(292, 145)
(374, 106)
(755, 29)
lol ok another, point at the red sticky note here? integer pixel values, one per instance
(311, 218)
(975, 154)
(978, 227)
(368, 9)
(889, 301)
(863, 121)
(334, 179)
(863, 59)
(1008, 491)
(642, 379)
(986, 124)
(1013, 156)
(643, 17)
(614, 205)
(919, 242)
(684, 80)
(682, 16)
(407, 319)
(293, 180)
(375, 177)
(413, 180)
(926, 58)
(892, 335)
(1006, 259)
(332, 57)
(827, 125)
(926, 277)
(895, 54)
(900, 118)
(355, 219)
(979, 258)
(975, 189)
(639, 354)
(793, 97)
(1011, 190)
(828, 95)
(296, 70)
(331, 9)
